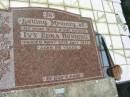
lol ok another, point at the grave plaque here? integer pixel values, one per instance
(52, 46)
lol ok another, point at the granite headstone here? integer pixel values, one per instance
(50, 47)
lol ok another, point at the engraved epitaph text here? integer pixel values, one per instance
(52, 46)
